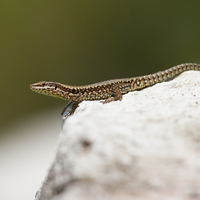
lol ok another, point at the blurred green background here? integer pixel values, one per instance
(82, 42)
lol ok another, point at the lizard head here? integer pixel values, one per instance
(48, 88)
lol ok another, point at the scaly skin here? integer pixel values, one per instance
(108, 91)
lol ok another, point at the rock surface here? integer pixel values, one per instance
(145, 147)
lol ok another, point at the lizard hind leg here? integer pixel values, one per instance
(117, 95)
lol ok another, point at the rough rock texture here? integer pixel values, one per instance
(146, 146)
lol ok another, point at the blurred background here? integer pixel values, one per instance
(76, 43)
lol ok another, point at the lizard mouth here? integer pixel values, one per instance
(47, 88)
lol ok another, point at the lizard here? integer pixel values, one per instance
(111, 90)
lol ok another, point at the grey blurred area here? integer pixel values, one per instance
(26, 151)
(82, 42)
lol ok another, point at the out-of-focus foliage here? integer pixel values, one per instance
(82, 42)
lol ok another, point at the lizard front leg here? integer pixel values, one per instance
(69, 109)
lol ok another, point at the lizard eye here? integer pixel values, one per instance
(55, 87)
(43, 84)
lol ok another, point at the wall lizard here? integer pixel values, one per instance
(107, 91)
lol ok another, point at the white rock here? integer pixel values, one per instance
(146, 146)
